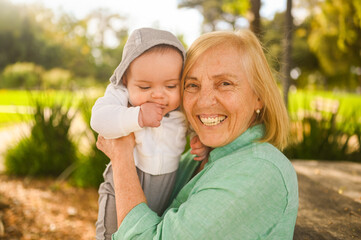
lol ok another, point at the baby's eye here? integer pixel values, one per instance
(143, 88)
(171, 86)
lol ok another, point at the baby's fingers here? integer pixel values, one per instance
(195, 143)
(199, 158)
(198, 152)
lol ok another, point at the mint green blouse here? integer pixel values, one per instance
(247, 190)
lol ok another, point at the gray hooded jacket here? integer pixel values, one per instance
(139, 41)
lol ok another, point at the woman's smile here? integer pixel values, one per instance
(212, 120)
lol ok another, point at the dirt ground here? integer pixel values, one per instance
(44, 209)
(32, 209)
(329, 200)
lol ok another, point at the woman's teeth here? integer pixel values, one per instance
(211, 121)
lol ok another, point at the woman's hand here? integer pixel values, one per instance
(113, 147)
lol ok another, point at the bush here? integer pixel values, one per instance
(48, 151)
(22, 75)
(324, 133)
(57, 78)
(89, 169)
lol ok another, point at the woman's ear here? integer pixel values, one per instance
(259, 104)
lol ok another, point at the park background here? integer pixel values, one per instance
(56, 58)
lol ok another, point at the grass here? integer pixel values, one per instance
(8, 119)
(325, 125)
(25, 98)
(13, 100)
(305, 101)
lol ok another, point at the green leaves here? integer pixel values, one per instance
(48, 151)
(336, 36)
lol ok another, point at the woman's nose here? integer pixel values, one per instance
(206, 97)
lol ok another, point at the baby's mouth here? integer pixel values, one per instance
(213, 120)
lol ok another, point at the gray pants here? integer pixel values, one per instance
(157, 190)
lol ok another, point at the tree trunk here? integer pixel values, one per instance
(287, 46)
(256, 18)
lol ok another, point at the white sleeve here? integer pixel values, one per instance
(111, 117)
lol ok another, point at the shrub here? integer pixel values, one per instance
(57, 78)
(89, 168)
(48, 151)
(22, 75)
(324, 133)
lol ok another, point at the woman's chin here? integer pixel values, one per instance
(212, 141)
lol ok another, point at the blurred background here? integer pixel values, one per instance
(56, 58)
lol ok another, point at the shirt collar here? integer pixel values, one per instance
(251, 135)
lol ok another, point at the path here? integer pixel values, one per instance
(330, 200)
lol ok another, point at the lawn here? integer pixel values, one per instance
(324, 101)
(15, 105)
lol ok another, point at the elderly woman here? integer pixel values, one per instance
(246, 189)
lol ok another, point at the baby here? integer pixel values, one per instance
(144, 97)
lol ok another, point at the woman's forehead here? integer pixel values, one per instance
(219, 61)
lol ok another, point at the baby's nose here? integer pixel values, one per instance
(158, 93)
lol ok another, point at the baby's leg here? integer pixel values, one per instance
(106, 224)
(157, 189)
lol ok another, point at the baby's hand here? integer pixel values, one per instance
(199, 149)
(150, 115)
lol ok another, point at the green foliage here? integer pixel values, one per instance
(302, 57)
(37, 35)
(22, 75)
(215, 11)
(236, 7)
(336, 40)
(48, 151)
(89, 169)
(325, 128)
(57, 78)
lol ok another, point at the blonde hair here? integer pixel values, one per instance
(273, 114)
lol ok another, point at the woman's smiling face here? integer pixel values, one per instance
(218, 99)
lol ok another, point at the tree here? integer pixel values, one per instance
(37, 36)
(287, 46)
(303, 61)
(255, 21)
(215, 12)
(62, 41)
(336, 40)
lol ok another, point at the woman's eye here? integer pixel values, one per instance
(225, 84)
(191, 87)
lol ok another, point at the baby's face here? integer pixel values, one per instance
(154, 77)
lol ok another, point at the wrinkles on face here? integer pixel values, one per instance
(218, 99)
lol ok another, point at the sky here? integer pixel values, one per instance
(162, 14)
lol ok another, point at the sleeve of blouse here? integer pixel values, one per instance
(111, 117)
(216, 207)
